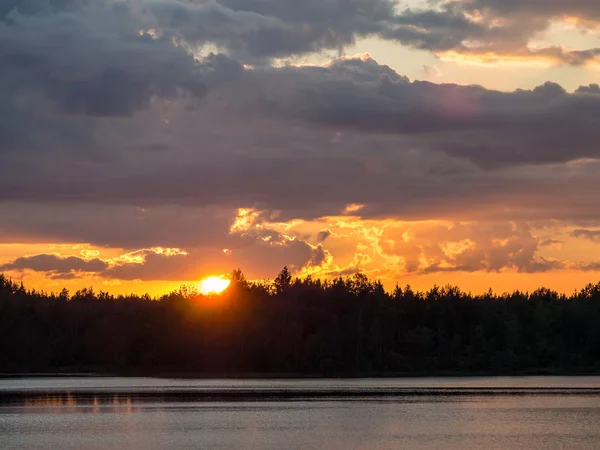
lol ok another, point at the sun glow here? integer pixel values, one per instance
(214, 285)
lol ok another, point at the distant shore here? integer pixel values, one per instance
(341, 375)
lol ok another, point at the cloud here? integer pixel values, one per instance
(386, 249)
(431, 71)
(116, 226)
(323, 235)
(551, 243)
(259, 135)
(150, 264)
(476, 246)
(255, 256)
(585, 9)
(491, 31)
(473, 247)
(591, 235)
(427, 141)
(265, 29)
(310, 25)
(456, 120)
(143, 264)
(58, 266)
(256, 31)
(320, 257)
(105, 67)
(247, 29)
(392, 249)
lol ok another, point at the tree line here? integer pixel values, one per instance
(346, 326)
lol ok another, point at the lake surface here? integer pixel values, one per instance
(412, 413)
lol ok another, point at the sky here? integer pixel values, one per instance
(148, 144)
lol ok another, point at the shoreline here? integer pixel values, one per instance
(298, 376)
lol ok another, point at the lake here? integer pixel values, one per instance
(412, 413)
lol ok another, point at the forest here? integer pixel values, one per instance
(300, 327)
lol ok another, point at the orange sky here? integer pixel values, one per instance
(390, 250)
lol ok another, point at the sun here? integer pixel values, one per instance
(214, 285)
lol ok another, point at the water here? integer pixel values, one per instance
(432, 413)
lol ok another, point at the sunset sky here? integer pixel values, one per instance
(146, 144)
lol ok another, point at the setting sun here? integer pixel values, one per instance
(214, 285)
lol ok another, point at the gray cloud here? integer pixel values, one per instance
(249, 29)
(155, 266)
(57, 265)
(537, 265)
(256, 138)
(320, 256)
(104, 67)
(586, 9)
(128, 227)
(493, 29)
(248, 34)
(313, 25)
(461, 121)
(442, 30)
(550, 242)
(592, 235)
(32, 7)
(256, 253)
(258, 30)
(323, 235)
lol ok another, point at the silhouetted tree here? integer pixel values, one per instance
(333, 327)
(283, 281)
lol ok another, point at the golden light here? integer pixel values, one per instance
(214, 285)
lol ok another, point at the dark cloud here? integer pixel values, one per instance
(443, 30)
(248, 29)
(323, 235)
(588, 267)
(493, 30)
(257, 251)
(266, 251)
(35, 7)
(55, 264)
(585, 9)
(255, 140)
(313, 25)
(269, 29)
(320, 256)
(128, 227)
(271, 250)
(153, 265)
(591, 89)
(550, 242)
(104, 66)
(463, 121)
(591, 235)
(261, 29)
(538, 265)
(64, 276)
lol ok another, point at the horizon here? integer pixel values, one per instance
(196, 288)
